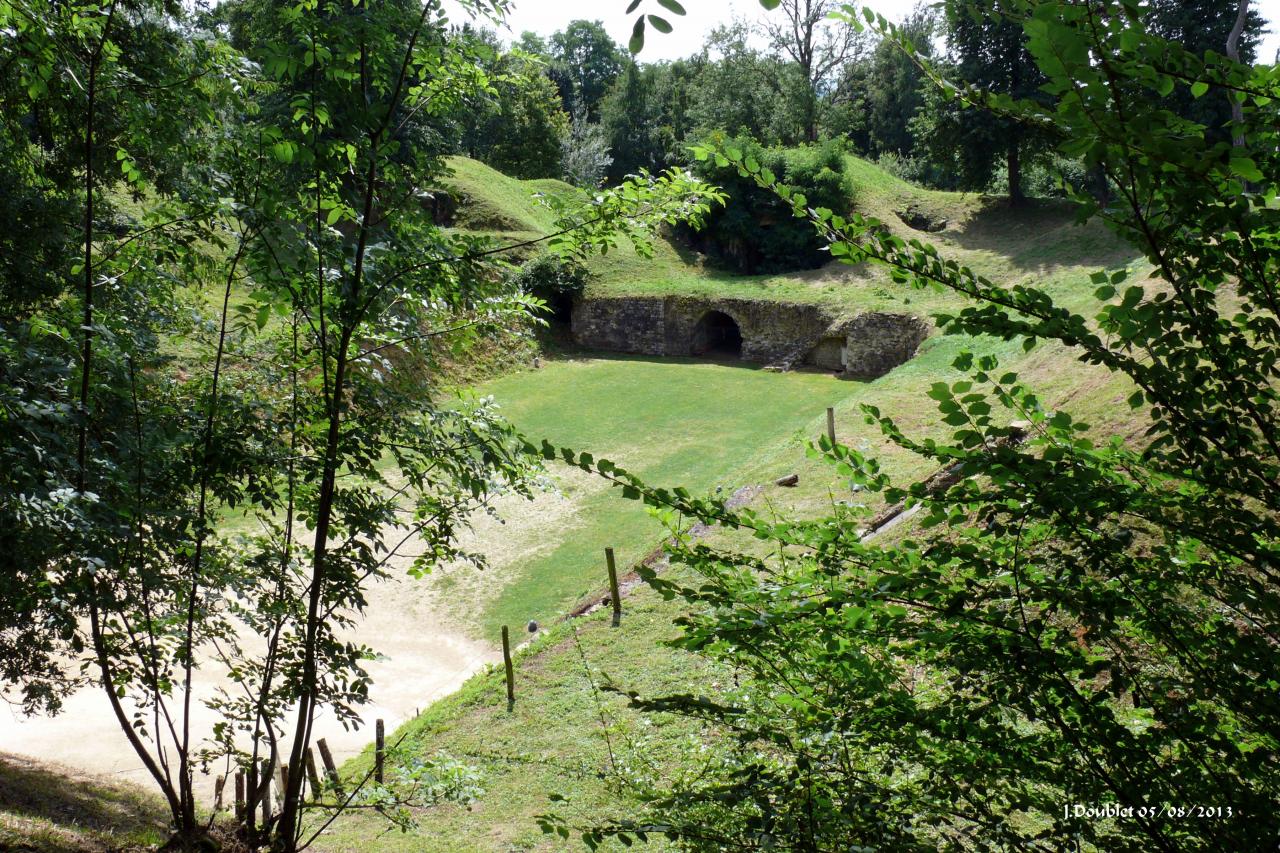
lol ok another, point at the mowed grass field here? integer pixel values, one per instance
(683, 422)
(565, 736)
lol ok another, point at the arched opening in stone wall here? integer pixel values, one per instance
(559, 308)
(828, 354)
(717, 335)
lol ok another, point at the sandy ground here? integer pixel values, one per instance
(422, 657)
(418, 627)
(510, 538)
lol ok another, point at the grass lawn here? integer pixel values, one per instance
(553, 741)
(672, 421)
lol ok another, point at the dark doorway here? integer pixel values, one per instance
(560, 308)
(717, 335)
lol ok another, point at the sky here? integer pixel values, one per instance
(547, 16)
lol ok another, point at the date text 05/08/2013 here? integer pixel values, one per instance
(1115, 810)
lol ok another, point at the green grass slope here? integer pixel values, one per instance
(668, 420)
(52, 809)
(1040, 241)
(491, 202)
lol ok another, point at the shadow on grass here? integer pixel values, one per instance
(1010, 231)
(47, 808)
(573, 354)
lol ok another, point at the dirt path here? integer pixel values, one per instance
(422, 657)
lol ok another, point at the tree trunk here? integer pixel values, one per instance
(1102, 191)
(811, 116)
(1013, 163)
(1233, 53)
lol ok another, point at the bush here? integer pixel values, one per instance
(755, 232)
(920, 171)
(555, 280)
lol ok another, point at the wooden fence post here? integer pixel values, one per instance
(329, 767)
(506, 660)
(615, 594)
(250, 795)
(217, 793)
(831, 424)
(379, 751)
(239, 796)
(312, 775)
(266, 792)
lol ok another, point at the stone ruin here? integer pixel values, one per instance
(778, 335)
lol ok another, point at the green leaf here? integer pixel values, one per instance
(672, 6)
(1198, 88)
(659, 23)
(636, 43)
(1246, 168)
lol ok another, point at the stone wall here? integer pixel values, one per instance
(772, 332)
(633, 325)
(828, 354)
(877, 343)
(769, 329)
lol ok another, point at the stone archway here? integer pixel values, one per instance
(717, 335)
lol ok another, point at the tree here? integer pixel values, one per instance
(753, 232)
(988, 48)
(818, 46)
(586, 63)
(742, 91)
(526, 132)
(515, 123)
(101, 444)
(879, 95)
(629, 121)
(584, 153)
(533, 44)
(1077, 620)
(283, 184)
(1200, 25)
(646, 116)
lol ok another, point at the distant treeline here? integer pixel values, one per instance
(577, 106)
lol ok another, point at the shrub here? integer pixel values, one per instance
(554, 280)
(755, 232)
(917, 170)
